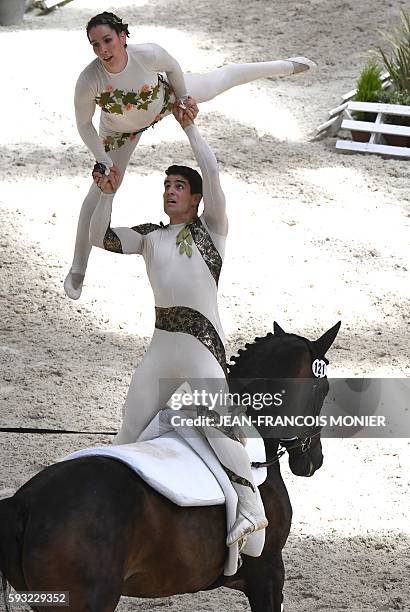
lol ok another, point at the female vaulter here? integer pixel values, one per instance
(128, 85)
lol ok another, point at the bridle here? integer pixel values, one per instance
(288, 444)
(304, 441)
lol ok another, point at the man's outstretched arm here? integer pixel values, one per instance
(118, 239)
(214, 198)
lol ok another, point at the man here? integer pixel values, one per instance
(183, 261)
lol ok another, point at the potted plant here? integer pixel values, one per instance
(369, 88)
(392, 96)
(396, 61)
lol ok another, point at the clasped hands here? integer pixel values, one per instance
(184, 112)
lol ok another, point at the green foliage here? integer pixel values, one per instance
(369, 83)
(397, 59)
(369, 87)
(395, 97)
(390, 96)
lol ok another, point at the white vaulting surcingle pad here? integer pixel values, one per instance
(171, 467)
(189, 474)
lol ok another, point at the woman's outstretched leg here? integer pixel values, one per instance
(74, 280)
(204, 87)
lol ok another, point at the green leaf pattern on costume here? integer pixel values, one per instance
(184, 240)
(117, 109)
(118, 101)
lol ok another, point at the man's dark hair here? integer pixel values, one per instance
(110, 20)
(193, 177)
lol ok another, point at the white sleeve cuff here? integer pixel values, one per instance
(189, 127)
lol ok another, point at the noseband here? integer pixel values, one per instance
(303, 442)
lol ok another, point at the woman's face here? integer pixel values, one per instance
(109, 47)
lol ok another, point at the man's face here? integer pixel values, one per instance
(178, 200)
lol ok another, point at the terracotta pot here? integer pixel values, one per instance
(11, 12)
(360, 136)
(396, 140)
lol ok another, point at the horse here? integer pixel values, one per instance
(92, 527)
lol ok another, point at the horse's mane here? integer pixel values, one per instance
(245, 355)
(255, 355)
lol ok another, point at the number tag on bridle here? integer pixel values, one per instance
(319, 368)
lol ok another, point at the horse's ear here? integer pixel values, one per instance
(277, 330)
(323, 344)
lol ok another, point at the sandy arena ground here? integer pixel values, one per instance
(315, 236)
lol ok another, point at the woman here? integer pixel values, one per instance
(126, 82)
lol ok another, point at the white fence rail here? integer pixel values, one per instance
(378, 131)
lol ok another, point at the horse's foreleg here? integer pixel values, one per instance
(264, 584)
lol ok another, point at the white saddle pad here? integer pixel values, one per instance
(171, 467)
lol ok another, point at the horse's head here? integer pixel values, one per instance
(295, 368)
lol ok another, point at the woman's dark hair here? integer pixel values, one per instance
(193, 177)
(110, 20)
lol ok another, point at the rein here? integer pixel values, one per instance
(259, 464)
(303, 443)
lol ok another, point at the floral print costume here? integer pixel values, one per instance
(131, 101)
(118, 102)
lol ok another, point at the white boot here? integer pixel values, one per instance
(301, 64)
(73, 284)
(251, 514)
(235, 460)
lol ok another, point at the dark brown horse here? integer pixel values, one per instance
(92, 527)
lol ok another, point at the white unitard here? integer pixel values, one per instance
(188, 341)
(135, 99)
